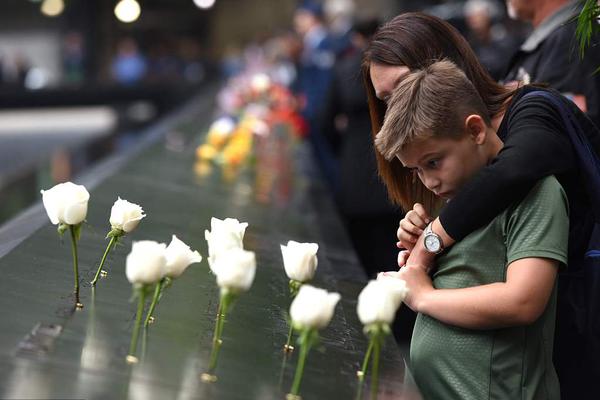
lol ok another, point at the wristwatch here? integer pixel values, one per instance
(432, 241)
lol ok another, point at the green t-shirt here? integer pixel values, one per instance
(449, 362)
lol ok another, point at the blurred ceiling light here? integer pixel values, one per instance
(52, 8)
(204, 3)
(127, 10)
(36, 78)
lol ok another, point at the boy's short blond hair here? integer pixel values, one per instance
(433, 101)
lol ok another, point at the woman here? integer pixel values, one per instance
(535, 145)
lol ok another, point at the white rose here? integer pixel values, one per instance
(179, 257)
(260, 82)
(235, 269)
(380, 299)
(66, 203)
(300, 260)
(313, 308)
(224, 235)
(146, 263)
(125, 215)
(222, 126)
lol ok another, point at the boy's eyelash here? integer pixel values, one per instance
(433, 161)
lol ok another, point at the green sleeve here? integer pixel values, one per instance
(539, 225)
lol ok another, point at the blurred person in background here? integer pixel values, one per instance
(370, 218)
(193, 68)
(21, 69)
(362, 198)
(129, 66)
(232, 62)
(254, 57)
(488, 38)
(73, 58)
(339, 15)
(164, 64)
(549, 55)
(1, 69)
(279, 55)
(314, 76)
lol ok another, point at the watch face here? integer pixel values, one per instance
(432, 243)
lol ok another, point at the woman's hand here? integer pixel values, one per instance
(412, 226)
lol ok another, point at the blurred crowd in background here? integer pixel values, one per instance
(36, 54)
(168, 60)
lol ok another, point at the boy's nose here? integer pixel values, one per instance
(431, 183)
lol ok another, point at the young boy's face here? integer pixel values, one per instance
(444, 164)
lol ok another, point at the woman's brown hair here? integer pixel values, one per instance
(417, 40)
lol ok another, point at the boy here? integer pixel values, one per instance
(485, 324)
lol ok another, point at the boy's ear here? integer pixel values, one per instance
(476, 128)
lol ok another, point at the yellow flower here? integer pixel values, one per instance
(217, 139)
(206, 152)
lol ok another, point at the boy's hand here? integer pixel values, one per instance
(418, 283)
(420, 256)
(412, 226)
(403, 257)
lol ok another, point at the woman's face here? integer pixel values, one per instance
(521, 10)
(385, 78)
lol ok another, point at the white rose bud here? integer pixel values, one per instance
(179, 257)
(313, 308)
(380, 299)
(222, 126)
(224, 235)
(300, 260)
(146, 263)
(125, 215)
(66, 203)
(235, 269)
(260, 82)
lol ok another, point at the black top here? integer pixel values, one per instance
(550, 55)
(536, 144)
(360, 191)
